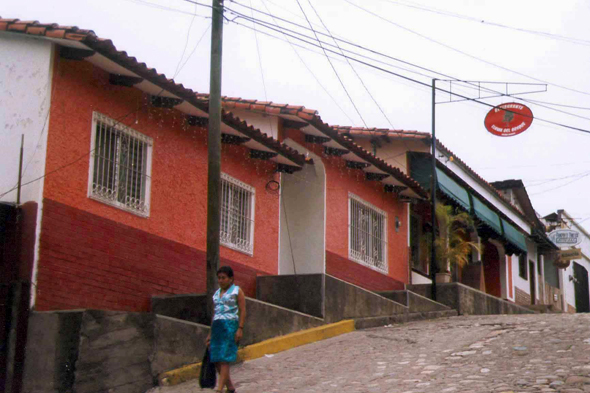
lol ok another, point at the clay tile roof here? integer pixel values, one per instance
(312, 116)
(403, 134)
(106, 48)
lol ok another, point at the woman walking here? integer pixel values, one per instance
(227, 325)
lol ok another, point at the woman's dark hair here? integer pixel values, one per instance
(228, 271)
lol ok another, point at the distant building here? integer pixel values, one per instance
(567, 233)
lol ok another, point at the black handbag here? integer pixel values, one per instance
(208, 377)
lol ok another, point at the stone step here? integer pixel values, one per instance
(366, 323)
(544, 308)
(414, 301)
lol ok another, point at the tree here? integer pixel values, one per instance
(451, 247)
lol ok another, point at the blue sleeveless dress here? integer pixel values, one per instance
(223, 347)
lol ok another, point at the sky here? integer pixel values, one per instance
(527, 45)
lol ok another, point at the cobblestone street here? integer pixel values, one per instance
(498, 353)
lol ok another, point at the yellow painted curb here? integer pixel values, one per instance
(268, 347)
(282, 343)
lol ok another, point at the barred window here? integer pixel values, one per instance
(237, 214)
(368, 234)
(120, 165)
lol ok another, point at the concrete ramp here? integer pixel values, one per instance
(325, 297)
(469, 301)
(264, 320)
(415, 302)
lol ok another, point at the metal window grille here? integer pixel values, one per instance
(237, 214)
(120, 165)
(368, 237)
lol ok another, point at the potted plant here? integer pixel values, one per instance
(452, 250)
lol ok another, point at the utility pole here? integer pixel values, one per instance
(433, 187)
(214, 154)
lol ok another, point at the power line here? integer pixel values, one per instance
(194, 49)
(462, 52)
(571, 40)
(116, 121)
(259, 58)
(161, 7)
(307, 67)
(540, 182)
(561, 105)
(563, 185)
(416, 81)
(351, 66)
(332, 65)
(188, 34)
(470, 83)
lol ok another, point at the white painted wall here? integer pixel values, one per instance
(394, 153)
(567, 285)
(268, 124)
(508, 272)
(420, 279)
(303, 218)
(25, 97)
(519, 282)
(26, 70)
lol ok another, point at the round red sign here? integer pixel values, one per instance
(508, 119)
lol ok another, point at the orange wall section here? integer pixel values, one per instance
(342, 180)
(178, 208)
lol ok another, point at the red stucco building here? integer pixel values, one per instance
(117, 199)
(121, 208)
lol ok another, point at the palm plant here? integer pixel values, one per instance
(451, 247)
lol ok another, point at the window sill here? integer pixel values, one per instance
(360, 262)
(231, 247)
(119, 206)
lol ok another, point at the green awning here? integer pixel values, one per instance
(453, 190)
(514, 236)
(486, 215)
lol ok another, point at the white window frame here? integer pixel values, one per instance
(251, 191)
(352, 254)
(92, 194)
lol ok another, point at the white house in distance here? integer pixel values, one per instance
(573, 279)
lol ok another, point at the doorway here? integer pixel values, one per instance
(581, 288)
(532, 281)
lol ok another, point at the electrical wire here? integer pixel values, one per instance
(563, 185)
(470, 84)
(419, 82)
(188, 34)
(194, 50)
(462, 52)
(259, 58)
(332, 65)
(351, 66)
(164, 8)
(68, 164)
(308, 68)
(540, 182)
(571, 40)
(2, 195)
